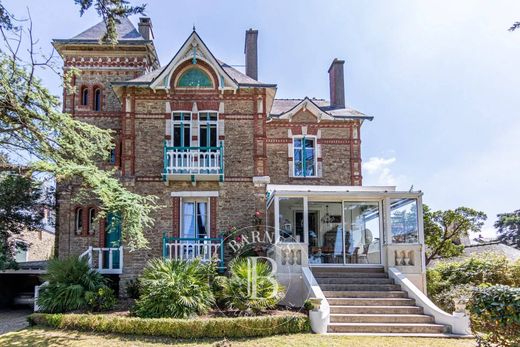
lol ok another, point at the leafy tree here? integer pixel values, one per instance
(20, 211)
(112, 11)
(35, 131)
(508, 225)
(444, 229)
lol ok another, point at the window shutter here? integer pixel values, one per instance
(176, 221)
(213, 217)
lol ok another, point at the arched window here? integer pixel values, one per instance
(84, 96)
(78, 221)
(193, 78)
(91, 221)
(97, 99)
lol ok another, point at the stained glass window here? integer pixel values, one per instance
(195, 77)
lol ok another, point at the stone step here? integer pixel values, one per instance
(360, 287)
(365, 294)
(381, 318)
(371, 301)
(344, 309)
(421, 328)
(347, 280)
(340, 269)
(350, 275)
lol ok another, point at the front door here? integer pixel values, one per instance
(112, 240)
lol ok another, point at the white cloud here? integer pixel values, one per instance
(377, 171)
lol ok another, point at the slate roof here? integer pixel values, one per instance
(281, 106)
(240, 78)
(125, 32)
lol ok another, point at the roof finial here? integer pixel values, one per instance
(194, 27)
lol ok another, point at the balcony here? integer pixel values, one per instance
(193, 163)
(185, 248)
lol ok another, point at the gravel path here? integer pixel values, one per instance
(13, 320)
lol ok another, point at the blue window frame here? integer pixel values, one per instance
(194, 77)
(304, 156)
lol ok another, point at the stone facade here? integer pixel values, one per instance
(256, 144)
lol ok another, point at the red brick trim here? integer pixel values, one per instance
(176, 220)
(213, 217)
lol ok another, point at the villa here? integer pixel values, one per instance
(223, 153)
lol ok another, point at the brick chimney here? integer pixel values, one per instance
(145, 28)
(337, 83)
(251, 53)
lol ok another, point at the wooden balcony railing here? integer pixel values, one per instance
(193, 161)
(186, 248)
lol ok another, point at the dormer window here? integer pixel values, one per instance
(84, 96)
(194, 77)
(97, 99)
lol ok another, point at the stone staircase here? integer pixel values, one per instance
(363, 300)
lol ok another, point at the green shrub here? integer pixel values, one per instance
(308, 305)
(238, 292)
(133, 289)
(101, 300)
(177, 289)
(446, 279)
(515, 273)
(73, 285)
(177, 328)
(495, 315)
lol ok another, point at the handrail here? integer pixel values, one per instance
(191, 148)
(319, 316)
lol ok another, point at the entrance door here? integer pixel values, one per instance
(362, 225)
(112, 240)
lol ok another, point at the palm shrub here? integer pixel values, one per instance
(241, 291)
(73, 285)
(172, 288)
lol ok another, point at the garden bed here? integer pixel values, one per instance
(177, 328)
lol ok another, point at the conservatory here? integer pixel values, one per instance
(349, 225)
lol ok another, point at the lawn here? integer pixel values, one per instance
(48, 337)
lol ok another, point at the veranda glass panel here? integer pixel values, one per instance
(362, 232)
(291, 229)
(326, 237)
(403, 215)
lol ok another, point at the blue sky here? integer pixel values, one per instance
(440, 77)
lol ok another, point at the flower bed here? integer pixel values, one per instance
(176, 328)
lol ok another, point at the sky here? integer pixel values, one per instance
(440, 79)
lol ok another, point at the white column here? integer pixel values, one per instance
(305, 220)
(420, 225)
(276, 220)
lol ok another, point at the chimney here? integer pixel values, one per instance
(337, 84)
(251, 53)
(145, 28)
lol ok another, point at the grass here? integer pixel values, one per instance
(49, 337)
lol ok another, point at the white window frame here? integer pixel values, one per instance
(315, 148)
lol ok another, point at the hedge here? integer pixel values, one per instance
(176, 328)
